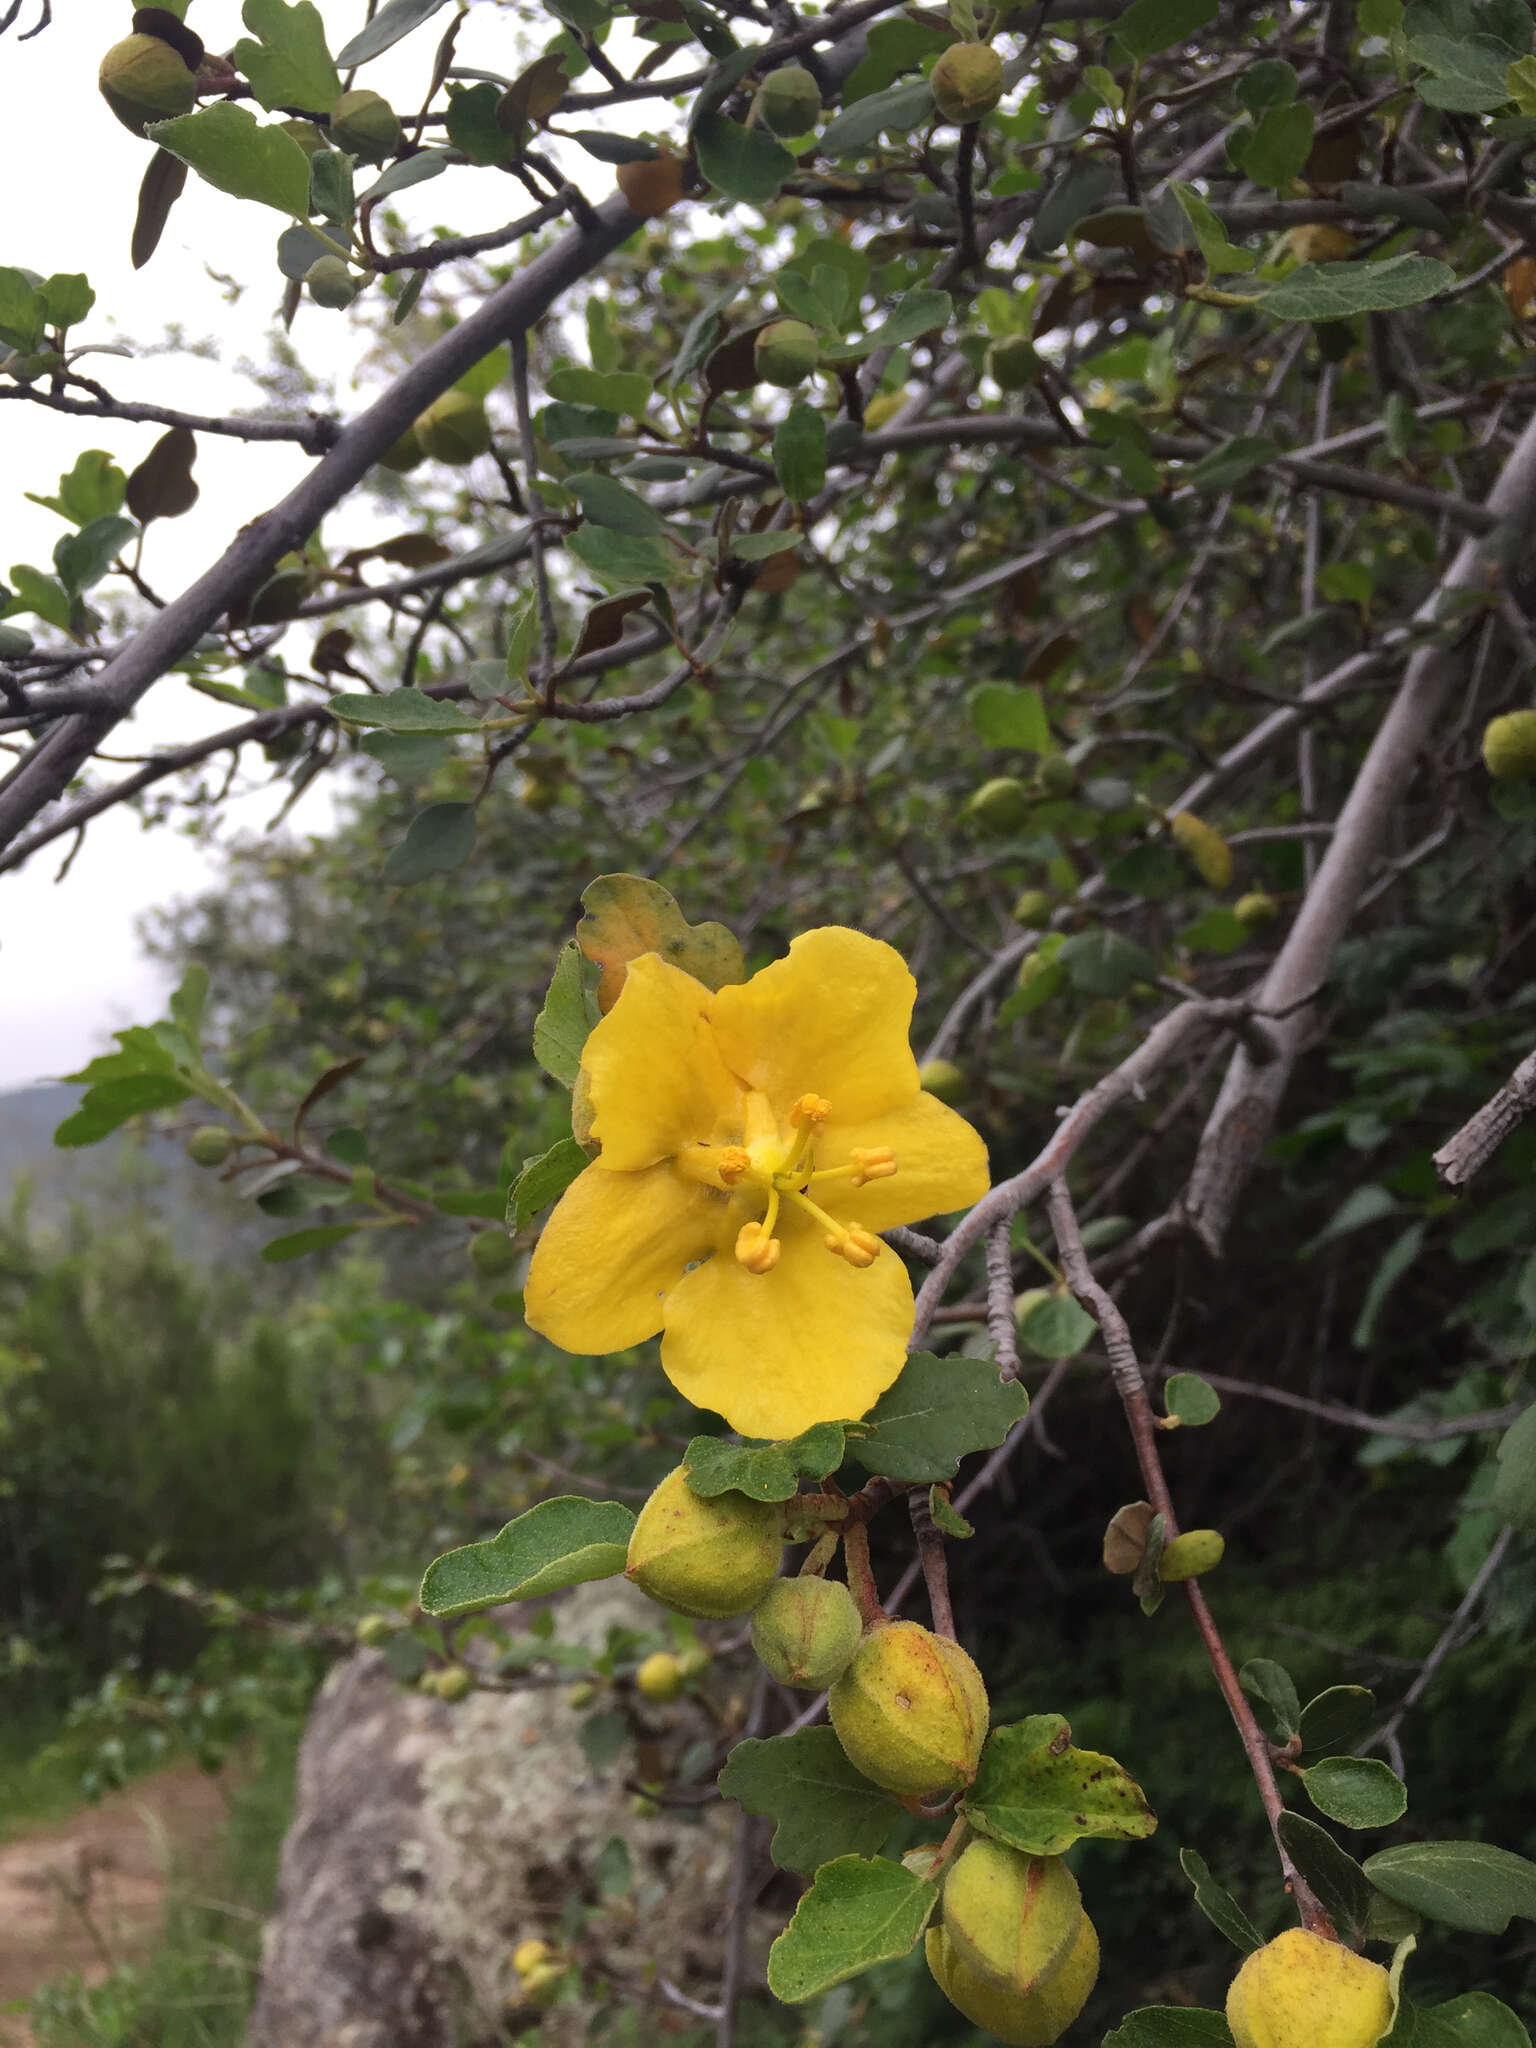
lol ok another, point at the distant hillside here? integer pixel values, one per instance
(132, 1171)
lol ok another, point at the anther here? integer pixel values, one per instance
(756, 1250)
(854, 1244)
(733, 1163)
(810, 1109)
(871, 1163)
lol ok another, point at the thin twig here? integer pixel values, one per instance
(1470, 1150)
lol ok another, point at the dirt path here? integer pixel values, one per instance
(92, 1888)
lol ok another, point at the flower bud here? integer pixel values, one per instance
(788, 101)
(941, 1078)
(454, 429)
(999, 806)
(331, 283)
(365, 125)
(1187, 1556)
(785, 353)
(1010, 1917)
(650, 185)
(806, 1631)
(1302, 1991)
(1509, 746)
(911, 1711)
(707, 1558)
(143, 79)
(967, 81)
(660, 1678)
(1207, 852)
(209, 1145)
(1024, 2019)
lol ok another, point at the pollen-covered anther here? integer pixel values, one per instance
(756, 1250)
(810, 1109)
(856, 1245)
(733, 1163)
(871, 1163)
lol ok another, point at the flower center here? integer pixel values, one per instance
(781, 1164)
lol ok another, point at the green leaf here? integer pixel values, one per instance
(1471, 74)
(402, 711)
(743, 163)
(1273, 1686)
(1008, 715)
(290, 65)
(1356, 1791)
(626, 915)
(1231, 462)
(481, 378)
(93, 488)
(1221, 256)
(163, 486)
(544, 1180)
(621, 559)
(758, 547)
(395, 19)
(1171, 2026)
(1217, 930)
(1514, 1479)
(939, 1410)
(228, 146)
(821, 1804)
(1057, 1327)
(855, 1914)
(189, 1002)
(570, 1010)
(1474, 2020)
(562, 1542)
(1148, 26)
(612, 149)
(897, 111)
(1269, 83)
(1218, 1904)
(1038, 1794)
(1469, 1885)
(800, 452)
(1334, 291)
(893, 47)
(762, 1471)
(437, 839)
(408, 756)
(1079, 192)
(83, 558)
(1276, 152)
(300, 1243)
(42, 594)
(67, 298)
(474, 126)
(1193, 1400)
(22, 318)
(607, 503)
(1102, 963)
(621, 391)
(1335, 1876)
(1397, 1260)
(112, 1102)
(914, 314)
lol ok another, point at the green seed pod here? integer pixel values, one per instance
(1033, 907)
(1013, 363)
(330, 283)
(405, 453)
(454, 429)
(374, 1630)
(143, 79)
(1203, 846)
(999, 806)
(453, 1683)
(1014, 1919)
(1303, 1991)
(694, 1661)
(1509, 746)
(210, 1145)
(660, 1678)
(806, 1631)
(1030, 2019)
(1256, 908)
(911, 1710)
(492, 1253)
(1056, 775)
(788, 101)
(785, 353)
(1187, 1556)
(366, 126)
(541, 1984)
(707, 1558)
(967, 81)
(579, 1697)
(941, 1078)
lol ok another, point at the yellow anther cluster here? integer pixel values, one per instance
(854, 1244)
(735, 1160)
(810, 1109)
(871, 1163)
(756, 1250)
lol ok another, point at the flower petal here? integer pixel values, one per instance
(941, 1164)
(815, 1340)
(832, 1018)
(656, 1079)
(614, 1245)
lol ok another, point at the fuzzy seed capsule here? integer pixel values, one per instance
(1302, 1991)
(911, 1711)
(1028, 2019)
(805, 1631)
(706, 1558)
(1013, 1918)
(967, 81)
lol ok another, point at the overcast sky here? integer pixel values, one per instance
(70, 967)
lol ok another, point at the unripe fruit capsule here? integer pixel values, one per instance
(1509, 746)
(209, 1145)
(453, 1683)
(788, 101)
(365, 125)
(330, 283)
(785, 353)
(1028, 2019)
(941, 1078)
(1302, 1991)
(454, 429)
(660, 1678)
(999, 806)
(143, 79)
(967, 81)
(1013, 1918)
(806, 1631)
(706, 1558)
(911, 1711)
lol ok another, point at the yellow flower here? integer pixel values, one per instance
(754, 1141)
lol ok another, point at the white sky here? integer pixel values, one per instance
(70, 967)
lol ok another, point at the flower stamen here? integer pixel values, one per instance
(865, 1163)
(756, 1250)
(856, 1245)
(810, 1109)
